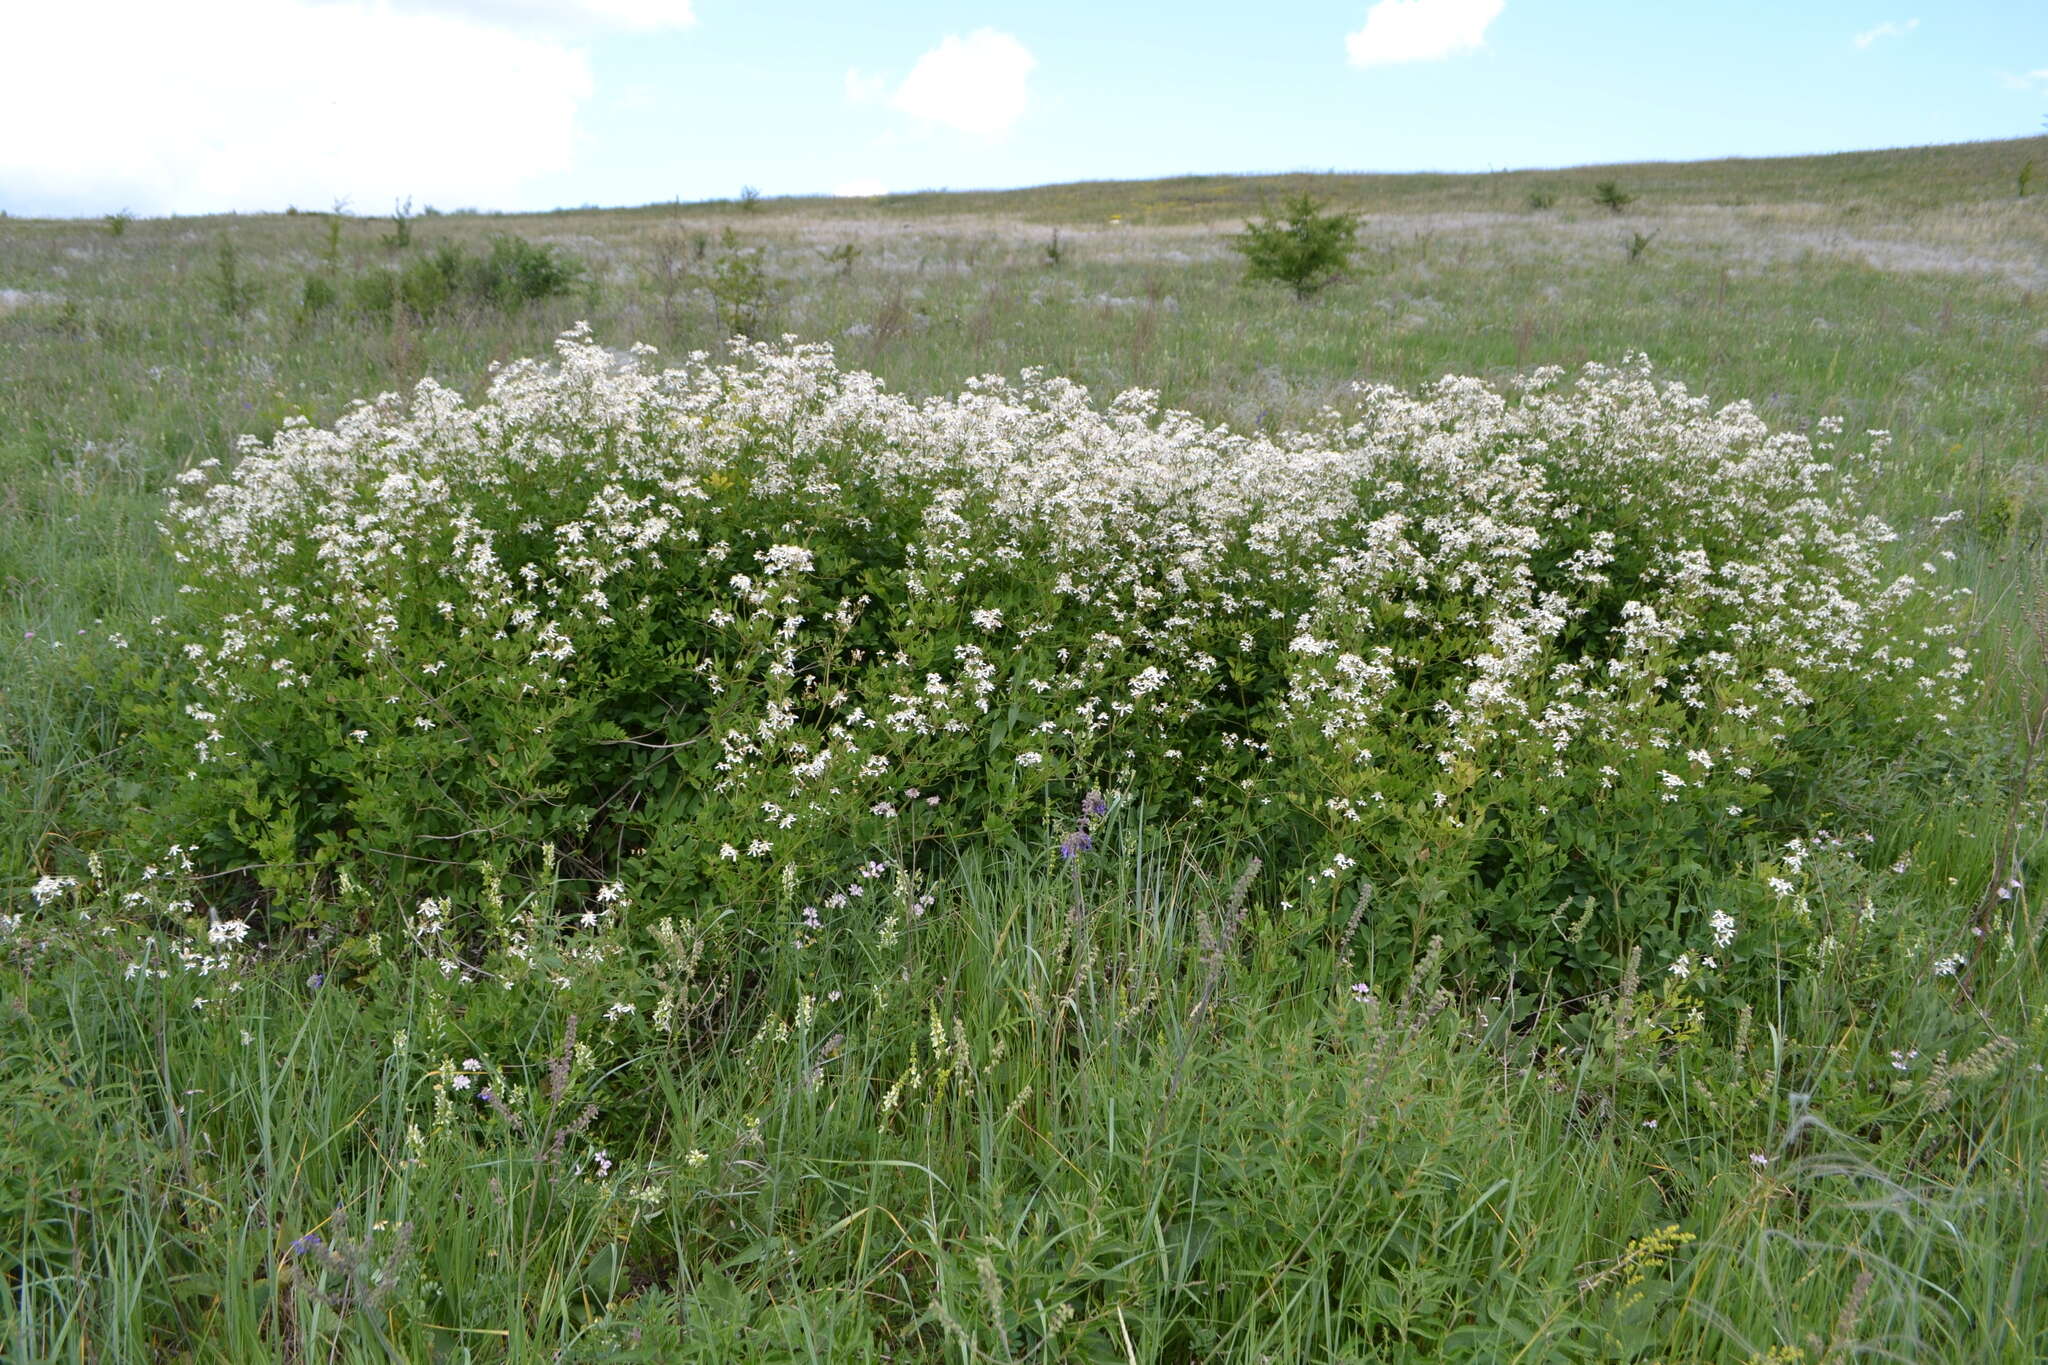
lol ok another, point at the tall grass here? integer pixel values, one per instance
(1135, 1136)
(1105, 1109)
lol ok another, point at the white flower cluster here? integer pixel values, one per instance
(1562, 573)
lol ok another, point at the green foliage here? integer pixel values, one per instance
(1638, 243)
(841, 257)
(117, 223)
(511, 275)
(232, 293)
(770, 636)
(400, 236)
(1089, 1111)
(317, 296)
(742, 290)
(2025, 177)
(331, 252)
(1608, 195)
(1304, 248)
(750, 199)
(517, 272)
(1055, 254)
(1538, 200)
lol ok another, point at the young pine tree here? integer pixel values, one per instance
(1304, 248)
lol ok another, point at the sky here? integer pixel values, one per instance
(197, 106)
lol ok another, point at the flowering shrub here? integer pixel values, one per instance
(1530, 662)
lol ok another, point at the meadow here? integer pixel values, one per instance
(656, 845)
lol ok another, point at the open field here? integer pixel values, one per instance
(1187, 1093)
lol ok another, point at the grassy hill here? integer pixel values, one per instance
(1886, 180)
(1119, 1108)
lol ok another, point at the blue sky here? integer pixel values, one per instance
(252, 104)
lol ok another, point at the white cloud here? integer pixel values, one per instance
(859, 189)
(978, 84)
(1887, 29)
(563, 16)
(1420, 30)
(245, 104)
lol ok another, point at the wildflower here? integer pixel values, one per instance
(1949, 966)
(306, 1244)
(48, 889)
(1075, 844)
(1759, 1159)
(228, 931)
(1030, 759)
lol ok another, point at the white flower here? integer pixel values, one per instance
(1030, 759)
(228, 931)
(50, 888)
(782, 559)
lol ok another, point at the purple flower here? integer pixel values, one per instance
(316, 981)
(1075, 844)
(310, 1242)
(1093, 805)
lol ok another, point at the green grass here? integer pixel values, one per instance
(1158, 1152)
(1171, 1148)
